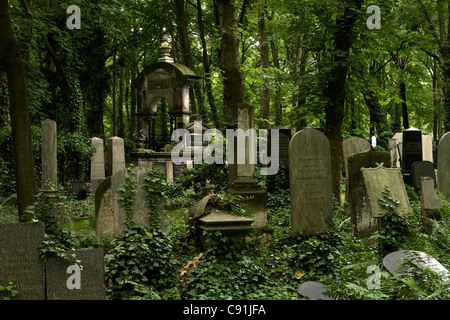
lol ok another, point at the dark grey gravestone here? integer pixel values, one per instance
(313, 290)
(177, 169)
(422, 169)
(412, 151)
(86, 283)
(161, 166)
(20, 261)
(395, 263)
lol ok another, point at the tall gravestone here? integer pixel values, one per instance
(412, 151)
(282, 148)
(422, 169)
(363, 223)
(97, 163)
(19, 259)
(50, 171)
(353, 146)
(116, 155)
(429, 200)
(69, 281)
(443, 170)
(310, 181)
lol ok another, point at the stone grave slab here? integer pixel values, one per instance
(353, 146)
(393, 263)
(68, 282)
(20, 261)
(376, 179)
(310, 181)
(313, 290)
(422, 169)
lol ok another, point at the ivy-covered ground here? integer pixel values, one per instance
(146, 263)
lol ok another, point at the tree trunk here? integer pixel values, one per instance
(264, 54)
(121, 132)
(114, 120)
(335, 91)
(212, 104)
(11, 60)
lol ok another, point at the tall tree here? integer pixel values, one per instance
(264, 54)
(11, 60)
(336, 90)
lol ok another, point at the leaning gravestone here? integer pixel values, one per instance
(376, 180)
(422, 169)
(20, 261)
(429, 200)
(104, 211)
(443, 171)
(395, 263)
(363, 223)
(353, 146)
(310, 181)
(82, 281)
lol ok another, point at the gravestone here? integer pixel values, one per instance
(140, 208)
(427, 147)
(443, 170)
(67, 281)
(310, 181)
(412, 151)
(178, 169)
(97, 163)
(398, 137)
(422, 169)
(161, 166)
(20, 261)
(428, 198)
(353, 146)
(394, 263)
(363, 224)
(313, 290)
(116, 155)
(49, 172)
(282, 148)
(376, 180)
(104, 211)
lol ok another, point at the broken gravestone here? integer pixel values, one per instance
(313, 290)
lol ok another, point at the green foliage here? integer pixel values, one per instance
(9, 291)
(195, 178)
(59, 245)
(140, 264)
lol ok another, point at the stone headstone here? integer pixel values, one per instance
(161, 166)
(69, 281)
(398, 137)
(427, 147)
(20, 261)
(352, 146)
(394, 263)
(422, 169)
(412, 148)
(104, 211)
(177, 170)
(376, 180)
(310, 181)
(313, 290)
(363, 223)
(116, 155)
(140, 208)
(49, 156)
(443, 170)
(428, 198)
(97, 163)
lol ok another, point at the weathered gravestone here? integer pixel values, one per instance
(111, 216)
(443, 170)
(428, 199)
(310, 181)
(353, 146)
(116, 155)
(363, 223)
(313, 290)
(396, 263)
(19, 259)
(82, 281)
(376, 181)
(412, 151)
(422, 169)
(97, 163)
